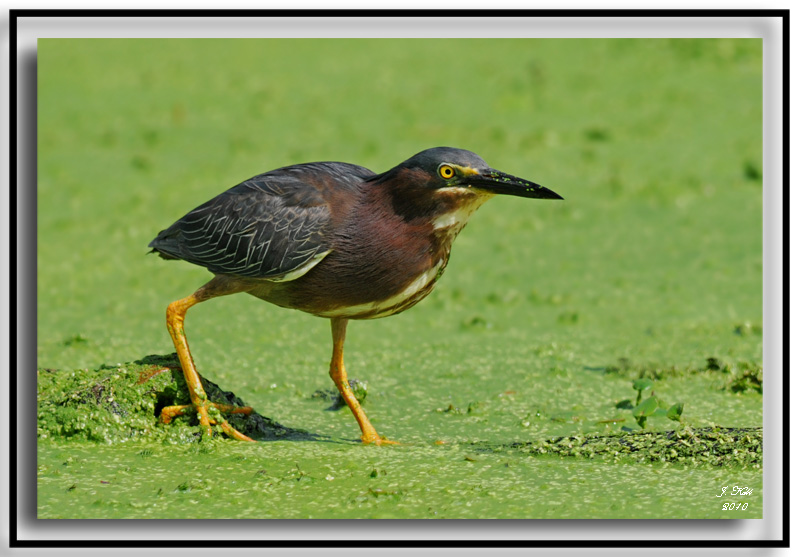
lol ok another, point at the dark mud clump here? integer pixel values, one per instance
(714, 446)
(359, 388)
(123, 402)
(737, 377)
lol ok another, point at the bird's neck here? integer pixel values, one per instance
(458, 205)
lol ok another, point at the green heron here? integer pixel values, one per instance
(331, 239)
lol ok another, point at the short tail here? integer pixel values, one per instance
(166, 244)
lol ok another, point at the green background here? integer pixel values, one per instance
(654, 257)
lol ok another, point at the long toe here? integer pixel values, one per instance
(212, 412)
(377, 440)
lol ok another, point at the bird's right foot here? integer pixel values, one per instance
(209, 413)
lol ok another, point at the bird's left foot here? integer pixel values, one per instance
(209, 413)
(377, 440)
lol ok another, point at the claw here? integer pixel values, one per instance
(378, 441)
(209, 414)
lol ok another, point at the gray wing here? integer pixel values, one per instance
(273, 226)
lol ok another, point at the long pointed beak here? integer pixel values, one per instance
(494, 181)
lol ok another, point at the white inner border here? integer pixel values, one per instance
(29, 30)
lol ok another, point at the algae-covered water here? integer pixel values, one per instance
(511, 387)
(103, 453)
(285, 479)
(472, 471)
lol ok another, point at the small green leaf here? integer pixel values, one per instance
(643, 384)
(675, 411)
(646, 408)
(660, 413)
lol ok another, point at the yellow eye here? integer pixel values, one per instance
(446, 171)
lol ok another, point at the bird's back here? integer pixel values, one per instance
(271, 226)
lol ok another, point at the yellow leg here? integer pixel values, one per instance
(339, 376)
(208, 412)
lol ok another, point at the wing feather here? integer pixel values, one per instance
(269, 227)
